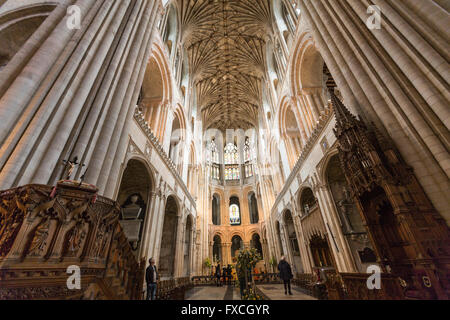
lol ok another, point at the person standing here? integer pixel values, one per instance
(151, 277)
(218, 275)
(285, 274)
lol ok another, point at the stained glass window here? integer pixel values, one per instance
(231, 154)
(235, 216)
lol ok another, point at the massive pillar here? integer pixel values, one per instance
(394, 77)
(72, 92)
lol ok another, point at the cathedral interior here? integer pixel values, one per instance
(189, 131)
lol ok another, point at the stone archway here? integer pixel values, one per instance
(168, 241)
(278, 236)
(253, 208)
(217, 249)
(255, 242)
(134, 197)
(216, 210)
(236, 244)
(18, 26)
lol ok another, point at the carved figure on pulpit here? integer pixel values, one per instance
(8, 231)
(39, 240)
(346, 205)
(76, 237)
(100, 242)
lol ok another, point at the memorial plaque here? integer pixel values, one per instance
(131, 229)
(131, 213)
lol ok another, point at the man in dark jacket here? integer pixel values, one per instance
(285, 274)
(151, 277)
(218, 275)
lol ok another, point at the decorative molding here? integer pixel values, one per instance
(138, 116)
(323, 123)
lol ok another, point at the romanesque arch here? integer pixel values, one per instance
(156, 92)
(134, 199)
(255, 242)
(236, 244)
(253, 208)
(217, 249)
(307, 201)
(178, 138)
(278, 238)
(215, 208)
(18, 25)
(290, 131)
(168, 241)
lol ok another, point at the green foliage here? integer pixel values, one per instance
(250, 294)
(247, 259)
(208, 263)
(273, 262)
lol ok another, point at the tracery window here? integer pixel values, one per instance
(214, 160)
(248, 164)
(235, 212)
(232, 170)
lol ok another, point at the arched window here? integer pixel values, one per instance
(236, 245)
(248, 163)
(214, 160)
(253, 208)
(256, 243)
(216, 210)
(307, 201)
(217, 249)
(235, 211)
(232, 170)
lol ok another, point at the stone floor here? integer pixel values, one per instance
(213, 293)
(276, 292)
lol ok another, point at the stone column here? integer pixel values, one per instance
(117, 149)
(301, 241)
(339, 245)
(149, 222)
(70, 108)
(179, 244)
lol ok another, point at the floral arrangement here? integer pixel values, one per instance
(208, 263)
(250, 294)
(246, 261)
(273, 262)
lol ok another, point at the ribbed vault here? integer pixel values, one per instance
(226, 42)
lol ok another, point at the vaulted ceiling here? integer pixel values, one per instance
(225, 41)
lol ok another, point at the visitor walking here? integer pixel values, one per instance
(218, 275)
(285, 274)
